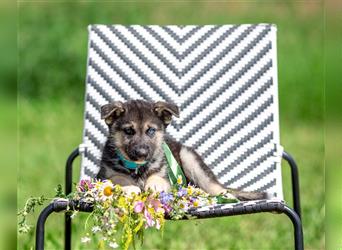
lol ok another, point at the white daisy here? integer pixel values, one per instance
(96, 229)
(74, 213)
(106, 191)
(85, 239)
(113, 245)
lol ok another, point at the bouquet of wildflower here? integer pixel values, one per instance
(119, 218)
(115, 210)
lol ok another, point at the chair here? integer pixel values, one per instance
(224, 79)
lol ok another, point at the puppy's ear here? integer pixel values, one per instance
(112, 111)
(165, 111)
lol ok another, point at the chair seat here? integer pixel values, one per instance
(244, 207)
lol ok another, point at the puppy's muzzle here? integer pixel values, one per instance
(140, 152)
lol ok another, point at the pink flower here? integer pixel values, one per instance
(167, 209)
(149, 220)
(155, 204)
(158, 224)
(138, 206)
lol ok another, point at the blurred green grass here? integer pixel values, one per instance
(52, 40)
(333, 134)
(7, 125)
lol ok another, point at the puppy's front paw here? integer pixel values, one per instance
(157, 187)
(157, 184)
(131, 189)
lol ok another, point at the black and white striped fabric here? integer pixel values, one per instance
(224, 79)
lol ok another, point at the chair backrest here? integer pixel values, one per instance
(224, 79)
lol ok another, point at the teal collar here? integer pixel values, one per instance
(127, 163)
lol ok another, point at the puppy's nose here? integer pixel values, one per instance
(141, 152)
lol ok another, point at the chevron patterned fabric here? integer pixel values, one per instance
(223, 78)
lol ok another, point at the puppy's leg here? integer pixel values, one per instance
(128, 184)
(131, 189)
(157, 183)
(247, 196)
(197, 171)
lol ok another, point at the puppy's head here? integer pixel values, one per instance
(137, 127)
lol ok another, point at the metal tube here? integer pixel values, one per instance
(40, 230)
(297, 225)
(295, 182)
(68, 171)
(68, 189)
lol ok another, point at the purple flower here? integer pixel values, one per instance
(85, 185)
(165, 197)
(167, 208)
(182, 192)
(192, 199)
(138, 206)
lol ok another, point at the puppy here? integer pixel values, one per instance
(133, 156)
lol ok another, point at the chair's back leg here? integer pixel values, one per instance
(67, 232)
(68, 189)
(68, 171)
(295, 182)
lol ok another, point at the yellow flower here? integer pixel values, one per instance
(106, 204)
(98, 184)
(108, 191)
(122, 218)
(122, 202)
(179, 180)
(190, 190)
(195, 203)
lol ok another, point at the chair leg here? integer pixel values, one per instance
(68, 171)
(67, 232)
(68, 189)
(40, 230)
(295, 182)
(297, 225)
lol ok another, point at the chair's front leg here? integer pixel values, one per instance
(295, 182)
(68, 189)
(55, 206)
(40, 229)
(297, 225)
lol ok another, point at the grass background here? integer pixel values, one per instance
(52, 43)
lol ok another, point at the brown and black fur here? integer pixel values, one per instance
(130, 132)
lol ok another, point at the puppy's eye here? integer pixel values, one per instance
(151, 131)
(129, 131)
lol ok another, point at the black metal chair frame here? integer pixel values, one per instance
(60, 205)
